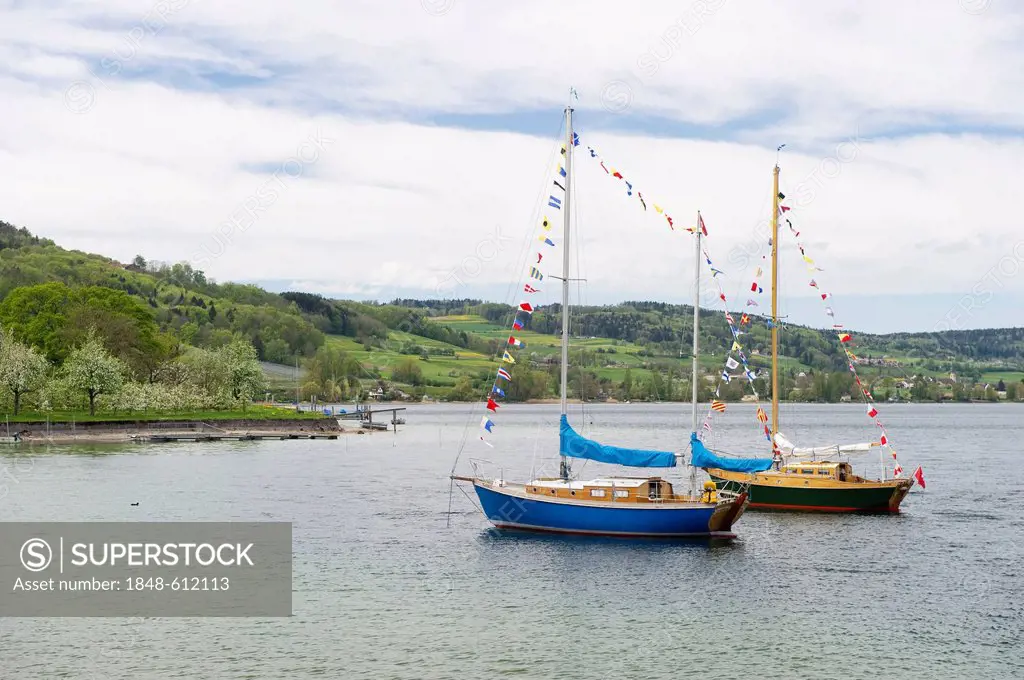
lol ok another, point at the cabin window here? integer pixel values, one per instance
(597, 493)
(807, 472)
(621, 493)
(822, 472)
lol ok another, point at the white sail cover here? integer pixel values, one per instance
(788, 448)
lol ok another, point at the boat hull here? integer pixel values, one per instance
(509, 507)
(786, 494)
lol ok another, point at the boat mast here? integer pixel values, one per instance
(566, 210)
(696, 343)
(775, 303)
(696, 321)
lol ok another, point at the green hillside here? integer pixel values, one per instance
(148, 313)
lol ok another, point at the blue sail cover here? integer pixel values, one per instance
(701, 457)
(576, 446)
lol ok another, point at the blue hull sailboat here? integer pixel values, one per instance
(607, 506)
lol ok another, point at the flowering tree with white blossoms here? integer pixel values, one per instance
(22, 368)
(92, 369)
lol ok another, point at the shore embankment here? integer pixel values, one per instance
(128, 430)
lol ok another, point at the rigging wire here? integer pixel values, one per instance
(511, 292)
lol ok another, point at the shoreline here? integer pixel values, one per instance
(121, 432)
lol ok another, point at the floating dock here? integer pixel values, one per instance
(365, 417)
(246, 437)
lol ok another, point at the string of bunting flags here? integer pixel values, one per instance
(845, 338)
(734, 327)
(523, 313)
(745, 319)
(747, 314)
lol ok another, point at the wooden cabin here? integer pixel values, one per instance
(611, 490)
(840, 472)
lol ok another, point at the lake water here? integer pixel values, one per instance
(385, 589)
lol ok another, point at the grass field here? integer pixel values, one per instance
(1006, 376)
(613, 357)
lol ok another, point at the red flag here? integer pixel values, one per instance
(526, 307)
(617, 174)
(700, 222)
(670, 226)
(530, 289)
(919, 476)
(884, 440)
(844, 337)
(492, 405)
(539, 257)
(872, 412)
(784, 208)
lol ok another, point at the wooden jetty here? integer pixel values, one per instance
(365, 417)
(237, 437)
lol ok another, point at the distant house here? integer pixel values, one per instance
(377, 393)
(845, 398)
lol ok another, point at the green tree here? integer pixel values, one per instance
(56, 318)
(463, 390)
(407, 371)
(332, 374)
(22, 369)
(627, 384)
(244, 374)
(920, 389)
(92, 369)
(527, 384)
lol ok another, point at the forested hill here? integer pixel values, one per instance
(153, 308)
(49, 289)
(666, 328)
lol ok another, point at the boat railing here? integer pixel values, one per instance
(731, 491)
(482, 467)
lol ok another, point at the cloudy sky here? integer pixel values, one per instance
(373, 149)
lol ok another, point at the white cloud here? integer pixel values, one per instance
(392, 206)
